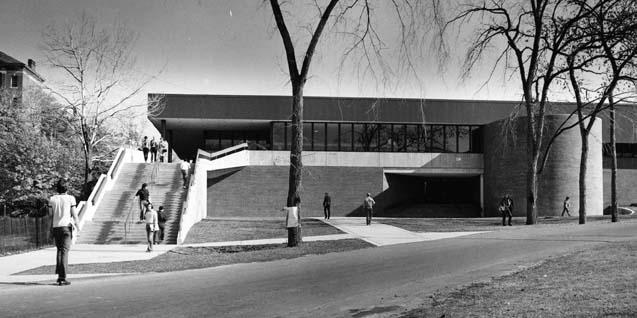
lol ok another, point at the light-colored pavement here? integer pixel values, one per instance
(377, 234)
(382, 234)
(372, 282)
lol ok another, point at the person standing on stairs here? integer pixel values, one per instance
(145, 148)
(152, 225)
(62, 207)
(153, 150)
(185, 170)
(163, 149)
(161, 221)
(144, 200)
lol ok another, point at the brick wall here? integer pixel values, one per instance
(262, 190)
(626, 190)
(505, 169)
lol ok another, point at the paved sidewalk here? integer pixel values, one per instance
(382, 234)
(377, 234)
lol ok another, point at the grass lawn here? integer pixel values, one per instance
(216, 230)
(483, 224)
(598, 282)
(183, 258)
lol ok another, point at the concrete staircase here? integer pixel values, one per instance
(109, 222)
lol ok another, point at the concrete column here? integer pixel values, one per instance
(481, 195)
(162, 130)
(170, 145)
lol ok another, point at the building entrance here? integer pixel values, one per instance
(433, 196)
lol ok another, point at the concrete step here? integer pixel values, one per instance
(120, 204)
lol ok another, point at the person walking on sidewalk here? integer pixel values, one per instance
(152, 225)
(567, 205)
(185, 170)
(144, 200)
(327, 203)
(368, 205)
(506, 208)
(63, 209)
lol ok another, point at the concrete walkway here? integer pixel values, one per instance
(377, 234)
(382, 234)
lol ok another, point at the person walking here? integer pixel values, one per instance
(161, 221)
(567, 205)
(144, 200)
(152, 225)
(163, 149)
(368, 205)
(145, 148)
(153, 150)
(185, 170)
(506, 208)
(327, 203)
(63, 209)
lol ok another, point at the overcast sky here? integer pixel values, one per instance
(219, 47)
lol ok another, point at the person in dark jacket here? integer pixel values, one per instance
(506, 208)
(144, 200)
(161, 218)
(327, 203)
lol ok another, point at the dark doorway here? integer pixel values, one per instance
(432, 196)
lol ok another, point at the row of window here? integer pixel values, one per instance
(385, 137)
(367, 137)
(622, 149)
(13, 79)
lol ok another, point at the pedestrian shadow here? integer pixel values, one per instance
(29, 283)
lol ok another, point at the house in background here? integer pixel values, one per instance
(16, 77)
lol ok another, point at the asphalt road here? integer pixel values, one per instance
(381, 280)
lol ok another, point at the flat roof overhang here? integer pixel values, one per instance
(211, 124)
(437, 172)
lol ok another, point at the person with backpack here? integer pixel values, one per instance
(153, 150)
(161, 219)
(368, 205)
(144, 200)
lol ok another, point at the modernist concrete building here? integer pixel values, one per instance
(426, 158)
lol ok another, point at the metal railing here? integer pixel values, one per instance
(128, 222)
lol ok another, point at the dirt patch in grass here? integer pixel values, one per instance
(484, 224)
(183, 258)
(598, 282)
(219, 230)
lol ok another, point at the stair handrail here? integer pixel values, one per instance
(129, 219)
(88, 207)
(221, 153)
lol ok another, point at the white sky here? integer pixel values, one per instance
(221, 47)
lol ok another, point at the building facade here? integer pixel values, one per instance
(16, 77)
(421, 158)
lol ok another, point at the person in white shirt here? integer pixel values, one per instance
(62, 207)
(152, 225)
(185, 169)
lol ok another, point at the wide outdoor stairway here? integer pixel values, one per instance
(120, 205)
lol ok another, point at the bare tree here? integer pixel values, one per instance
(99, 78)
(353, 19)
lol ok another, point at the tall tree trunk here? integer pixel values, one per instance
(296, 164)
(613, 173)
(531, 174)
(87, 169)
(583, 166)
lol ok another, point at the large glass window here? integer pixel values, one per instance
(464, 138)
(368, 137)
(333, 137)
(318, 136)
(451, 138)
